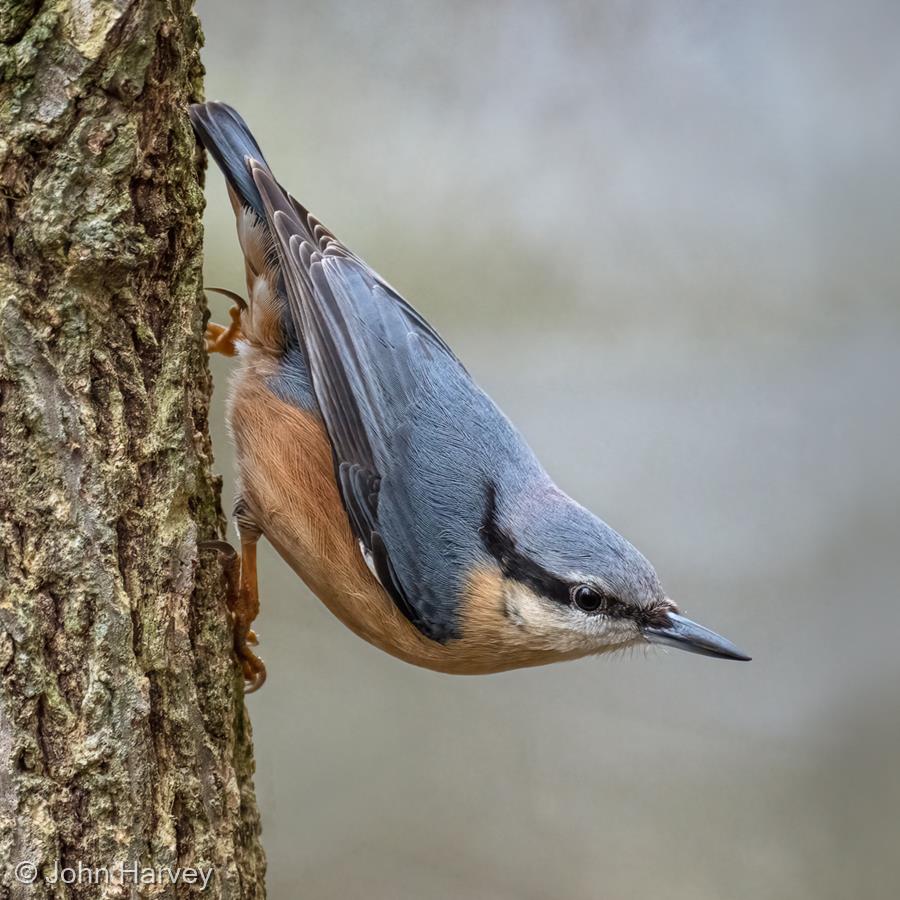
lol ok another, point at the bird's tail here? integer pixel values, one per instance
(226, 136)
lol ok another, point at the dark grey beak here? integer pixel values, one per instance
(684, 634)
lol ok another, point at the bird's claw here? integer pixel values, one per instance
(253, 668)
(222, 547)
(242, 606)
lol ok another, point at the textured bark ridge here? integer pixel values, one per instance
(123, 733)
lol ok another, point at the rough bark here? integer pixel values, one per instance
(123, 733)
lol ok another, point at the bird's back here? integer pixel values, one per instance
(418, 447)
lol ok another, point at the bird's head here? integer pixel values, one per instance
(574, 586)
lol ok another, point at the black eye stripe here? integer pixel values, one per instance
(516, 565)
(512, 562)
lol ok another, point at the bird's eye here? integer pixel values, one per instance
(587, 598)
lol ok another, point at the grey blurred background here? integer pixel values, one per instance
(664, 237)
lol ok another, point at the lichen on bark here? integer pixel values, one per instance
(123, 733)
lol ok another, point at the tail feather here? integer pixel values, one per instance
(228, 139)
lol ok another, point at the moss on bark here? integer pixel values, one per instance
(123, 733)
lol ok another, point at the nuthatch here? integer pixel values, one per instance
(388, 480)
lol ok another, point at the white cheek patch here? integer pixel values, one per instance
(540, 620)
(562, 626)
(532, 612)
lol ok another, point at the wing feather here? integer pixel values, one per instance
(368, 352)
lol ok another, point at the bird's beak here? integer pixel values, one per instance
(687, 635)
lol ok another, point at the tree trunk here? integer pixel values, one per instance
(124, 740)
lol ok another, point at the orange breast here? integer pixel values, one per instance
(287, 481)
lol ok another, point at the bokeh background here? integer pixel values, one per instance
(664, 236)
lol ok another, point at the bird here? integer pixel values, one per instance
(387, 479)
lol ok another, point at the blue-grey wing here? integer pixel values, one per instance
(414, 438)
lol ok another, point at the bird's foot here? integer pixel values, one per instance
(222, 338)
(242, 599)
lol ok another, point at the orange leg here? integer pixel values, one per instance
(242, 597)
(221, 338)
(245, 610)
